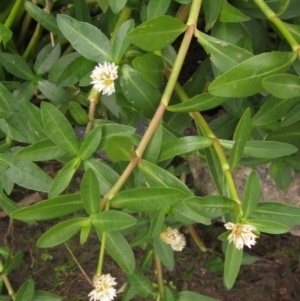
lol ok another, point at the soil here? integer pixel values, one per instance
(275, 276)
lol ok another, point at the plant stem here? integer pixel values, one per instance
(93, 98)
(101, 254)
(13, 14)
(6, 281)
(271, 15)
(24, 29)
(159, 275)
(33, 41)
(196, 238)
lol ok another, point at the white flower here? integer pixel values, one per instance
(103, 77)
(241, 235)
(104, 290)
(174, 238)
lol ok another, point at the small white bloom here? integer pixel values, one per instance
(241, 235)
(103, 77)
(104, 290)
(174, 238)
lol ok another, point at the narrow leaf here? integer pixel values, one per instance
(164, 252)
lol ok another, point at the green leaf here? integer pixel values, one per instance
(232, 15)
(291, 117)
(45, 296)
(106, 176)
(281, 173)
(183, 145)
(151, 67)
(143, 96)
(84, 233)
(52, 208)
(142, 285)
(264, 149)
(157, 8)
(112, 220)
(211, 12)
(233, 260)
(157, 222)
(61, 232)
(201, 102)
(7, 205)
(188, 296)
(64, 177)
(273, 109)
(211, 206)
(5, 33)
(46, 58)
(16, 65)
(282, 85)
(156, 33)
(120, 148)
(152, 151)
(88, 40)
(90, 143)
(5, 96)
(146, 198)
(26, 291)
(269, 226)
(164, 252)
(241, 135)
(26, 173)
(119, 249)
(12, 262)
(251, 194)
(277, 212)
(120, 44)
(159, 177)
(78, 113)
(44, 18)
(90, 192)
(117, 5)
(82, 11)
(223, 54)
(42, 150)
(289, 134)
(59, 129)
(246, 78)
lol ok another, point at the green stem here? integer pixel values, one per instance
(34, 39)
(6, 281)
(24, 29)
(13, 14)
(271, 15)
(101, 254)
(194, 13)
(196, 238)
(159, 275)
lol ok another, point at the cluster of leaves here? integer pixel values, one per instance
(251, 72)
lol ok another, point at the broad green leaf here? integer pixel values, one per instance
(64, 177)
(223, 54)
(25, 92)
(120, 148)
(142, 285)
(82, 11)
(59, 129)
(90, 143)
(201, 102)
(231, 15)
(61, 232)
(5, 97)
(277, 212)
(46, 58)
(282, 85)
(281, 173)
(152, 151)
(143, 96)
(147, 199)
(16, 65)
(107, 177)
(112, 220)
(7, 205)
(246, 78)
(157, 222)
(78, 113)
(157, 8)
(188, 296)
(54, 93)
(5, 33)
(168, 294)
(151, 67)
(185, 145)
(44, 18)
(233, 260)
(157, 33)
(292, 116)
(45, 296)
(117, 5)
(241, 135)
(211, 12)
(42, 150)
(88, 40)
(25, 173)
(52, 208)
(264, 149)
(289, 134)
(273, 109)
(211, 206)
(120, 44)
(251, 194)
(164, 252)
(90, 192)
(120, 250)
(159, 177)
(269, 226)
(25, 292)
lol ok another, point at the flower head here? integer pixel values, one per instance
(104, 290)
(174, 238)
(241, 235)
(103, 77)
